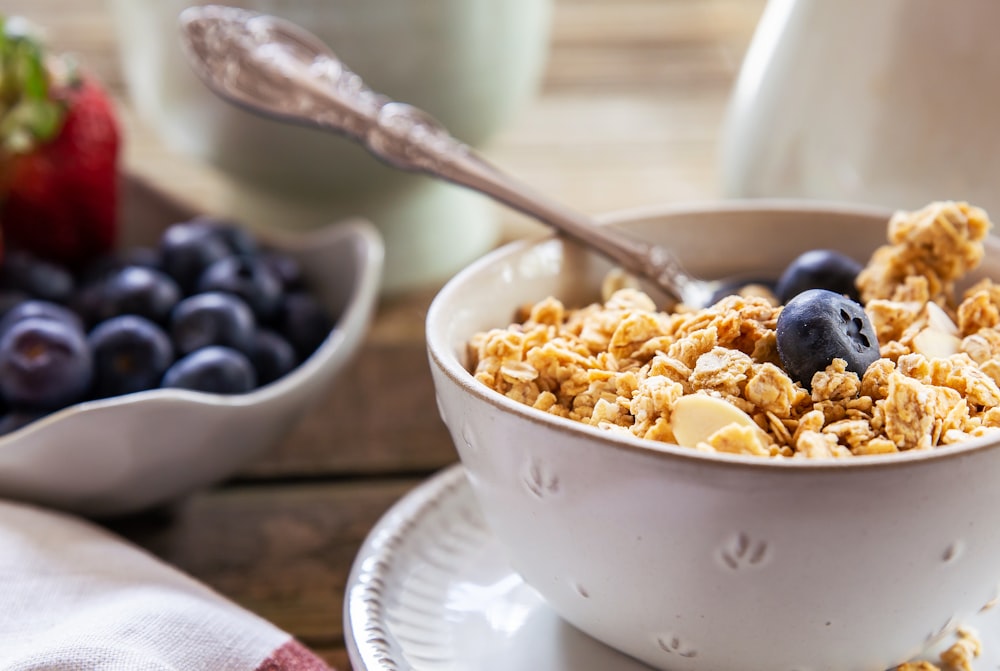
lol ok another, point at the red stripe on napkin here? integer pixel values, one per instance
(293, 656)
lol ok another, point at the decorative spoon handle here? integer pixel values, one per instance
(273, 67)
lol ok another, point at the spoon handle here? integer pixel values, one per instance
(271, 66)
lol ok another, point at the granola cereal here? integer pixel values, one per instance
(957, 657)
(622, 365)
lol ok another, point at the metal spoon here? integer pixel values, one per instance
(275, 68)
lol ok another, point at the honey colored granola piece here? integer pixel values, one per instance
(982, 345)
(518, 371)
(737, 439)
(959, 656)
(723, 370)
(816, 445)
(836, 383)
(961, 373)
(671, 368)
(632, 333)
(608, 411)
(876, 446)
(851, 432)
(913, 289)
(917, 666)
(891, 319)
(689, 348)
(875, 381)
(907, 422)
(939, 242)
(660, 431)
(978, 311)
(549, 311)
(770, 389)
(653, 398)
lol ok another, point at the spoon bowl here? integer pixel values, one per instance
(275, 68)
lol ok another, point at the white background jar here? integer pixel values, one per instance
(889, 102)
(471, 63)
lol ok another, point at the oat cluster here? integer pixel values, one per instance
(957, 657)
(621, 364)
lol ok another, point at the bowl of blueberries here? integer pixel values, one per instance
(801, 475)
(165, 365)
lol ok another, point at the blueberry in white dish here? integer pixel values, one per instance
(249, 278)
(38, 308)
(214, 369)
(304, 322)
(44, 364)
(25, 272)
(131, 353)
(272, 356)
(139, 290)
(186, 249)
(212, 318)
(818, 326)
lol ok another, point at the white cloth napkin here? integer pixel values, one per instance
(74, 596)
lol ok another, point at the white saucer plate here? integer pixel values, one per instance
(432, 590)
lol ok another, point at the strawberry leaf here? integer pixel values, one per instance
(28, 115)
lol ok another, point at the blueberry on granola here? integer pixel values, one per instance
(818, 326)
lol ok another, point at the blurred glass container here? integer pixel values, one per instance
(471, 63)
(890, 103)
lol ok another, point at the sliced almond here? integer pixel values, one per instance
(935, 344)
(939, 320)
(697, 416)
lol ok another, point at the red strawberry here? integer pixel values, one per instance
(59, 146)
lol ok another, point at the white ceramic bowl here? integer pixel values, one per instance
(122, 454)
(714, 562)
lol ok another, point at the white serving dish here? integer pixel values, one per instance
(119, 455)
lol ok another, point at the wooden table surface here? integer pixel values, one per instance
(629, 114)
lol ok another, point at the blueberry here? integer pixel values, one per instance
(43, 309)
(248, 278)
(44, 364)
(219, 370)
(272, 356)
(212, 318)
(819, 269)
(818, 326)
(286, 268)
(304, 322)
(131, 353)
(23, 271)
(186, 249)
(137, 290)
(239, 240)
(101, 268)
(88, 302)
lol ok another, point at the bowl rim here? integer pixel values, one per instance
(446, 362)
(358, 306)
